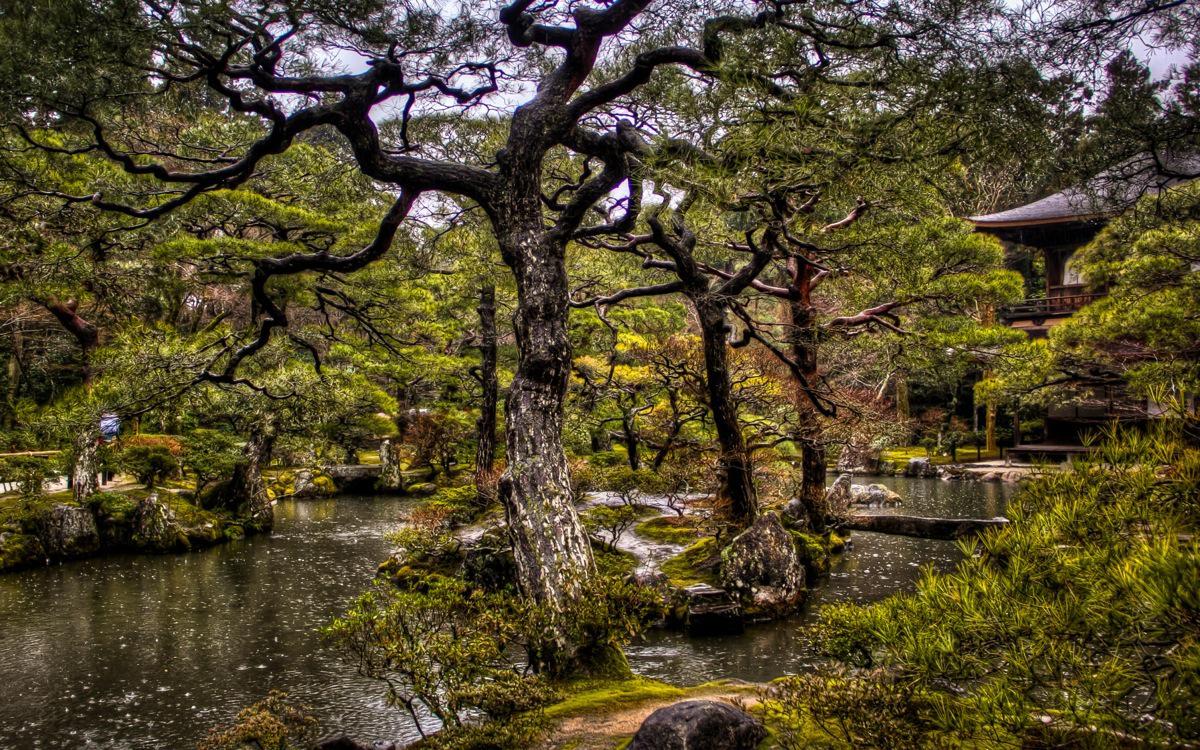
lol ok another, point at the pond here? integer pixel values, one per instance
(149, 652)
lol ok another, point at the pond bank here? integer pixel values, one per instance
(150, 651)
(55, 528)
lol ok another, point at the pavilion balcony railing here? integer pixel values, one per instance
(1063, 301)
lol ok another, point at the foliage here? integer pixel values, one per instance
(427, 533)
(274, 723)
(444, 649)
(29, 473)
(209, 455)
(872, 709)
(611, 521)
(149, 464)
(1081, 610)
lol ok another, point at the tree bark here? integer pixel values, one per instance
(803, 341)
(485, 427)
(245, 493)
(85, 464)
(735, 471)
(629, 436)
(552, 553)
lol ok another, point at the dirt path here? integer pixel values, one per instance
(610, 729)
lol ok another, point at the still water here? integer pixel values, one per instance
(149, 652)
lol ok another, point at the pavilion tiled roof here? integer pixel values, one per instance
(1105, 195)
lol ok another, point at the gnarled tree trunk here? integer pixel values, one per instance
(552, 552)
(245, 493)
(735, 471)
(485, 427)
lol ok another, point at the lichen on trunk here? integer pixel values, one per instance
(85, 464)
(552, 552)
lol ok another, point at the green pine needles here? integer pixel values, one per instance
(1077, 625)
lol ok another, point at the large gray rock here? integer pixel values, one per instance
(874, 494)
(761, 568)
(69, 531)
(920, 467)
(699, 725)
(837, 497)
(155, 528)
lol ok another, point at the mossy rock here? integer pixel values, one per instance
(696, 564)
(19, 550)
(816, 551)
(813, 551)
(234, 531)
(423, 489)
(204, 535)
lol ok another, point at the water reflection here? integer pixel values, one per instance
(877, 566)
(149, 652)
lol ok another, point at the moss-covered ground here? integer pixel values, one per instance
(671, 529)
(696, 564)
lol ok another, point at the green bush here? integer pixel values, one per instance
(460, 503)
(1075, 624)
(209, 455)
(631, 485)
(274, 723)
(29, 473)
(444, 649)
(149, 464)
(610, 522)
(111, 505)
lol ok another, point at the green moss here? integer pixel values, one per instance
(25, 512)
(669, 529)
(696, 564)
(234, 531)
(115, 507)
(19, 551)
(596, 697)
(813, 551)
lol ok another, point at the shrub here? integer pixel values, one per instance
(1075, 624)
(274, 723)
(444, 650)
(209, 455)
(631, 485)
(868, 710)
(169, 443)
(29, 473)
(149, 464)
(460, 504)
(426, 533)
(610, 522)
